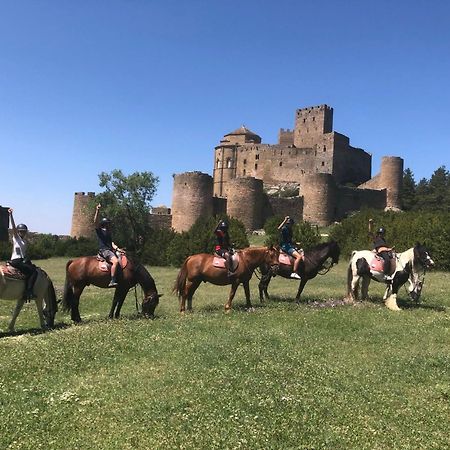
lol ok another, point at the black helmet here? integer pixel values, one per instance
(381, 230)
(22, 227)
(223, 225)
(290, 221)
(105, 222)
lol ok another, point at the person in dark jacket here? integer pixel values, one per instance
(287, 246)
(381, 247)
(107, 248)
(223, 247)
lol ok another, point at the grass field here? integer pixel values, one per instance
(285, 376)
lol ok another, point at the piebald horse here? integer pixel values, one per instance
(83, 271)
(46, 304)
(410, 266)
(199, 268)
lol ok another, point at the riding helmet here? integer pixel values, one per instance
(105, 222)
(381, 230)
(22, 227)
(290, 221)
(223, 225)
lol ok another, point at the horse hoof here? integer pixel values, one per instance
(251, 309)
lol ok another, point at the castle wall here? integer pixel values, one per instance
(83, 215)
(319, 197)
(279, 206)
(391, 178)
(4, 224)
(286, 137)
(349, 200)
(219, 206)
(246, 201)
(192, 198)
(311, 123)
(160, 221)
(225, 160)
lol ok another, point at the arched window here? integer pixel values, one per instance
(218, 163)
(229, 162)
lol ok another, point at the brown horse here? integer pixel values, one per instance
(82, 272)
(198, 268)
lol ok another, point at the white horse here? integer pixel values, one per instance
(410, 266)
(13, 289)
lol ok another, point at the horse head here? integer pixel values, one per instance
(422, 256)
(272, 255)
(335, 251)
(149, 304)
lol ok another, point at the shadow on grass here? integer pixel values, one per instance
(411, 305)
(33, 331)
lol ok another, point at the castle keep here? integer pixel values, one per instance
(324, 175)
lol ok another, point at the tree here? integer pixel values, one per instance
(408, 190)
(439, 186)
(126, 201)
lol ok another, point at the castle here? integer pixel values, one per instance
(331, 179)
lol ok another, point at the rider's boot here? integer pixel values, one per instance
(296, 276)
(113, 282)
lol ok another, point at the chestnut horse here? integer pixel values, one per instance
(198, 268)
(83, 271)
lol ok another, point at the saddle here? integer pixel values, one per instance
(284, 258)
(219, 262)
(105, 266)
(377, 264)
(11, 272)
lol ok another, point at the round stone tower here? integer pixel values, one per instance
(391, 179)
(192, 198)
(245, 201)
(83, 215)
(319, 198)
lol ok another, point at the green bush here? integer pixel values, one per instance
(403, 230)
(200, 238)
(155, 250)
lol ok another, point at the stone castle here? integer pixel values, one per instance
(327, 178)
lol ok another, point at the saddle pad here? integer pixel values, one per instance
(219, 262)
(377, 264)
(285, 259)
(11, 272)
(105, 266)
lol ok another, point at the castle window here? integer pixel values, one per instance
(304, 120)
(245, 161)
(314, 119)
(229, 161)
(219, 164)
(243, 172)
(281, 163)
(324, 148)
(257, 156)
(256, 166)
(323, 163)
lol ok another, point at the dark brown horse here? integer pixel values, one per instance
(82, 272)
(198, 268)
(313, 262)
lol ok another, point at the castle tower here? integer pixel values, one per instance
(83, 215)
(192, 198)
(311, 124)
(319, 197)
(391, 179)
(245, 201)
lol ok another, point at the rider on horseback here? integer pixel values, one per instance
(224, 248)
(287, 246)
(19, 258)
(108, 250)
(382, 249)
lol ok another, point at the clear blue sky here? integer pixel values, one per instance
(89, 86)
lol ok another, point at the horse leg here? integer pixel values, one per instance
(39, 307)
(248, 304)
(391, 300)
(365, 287)
(262, 288)
(300, 290)
(75, 311)
(193, 287)
(233, 289)
(119, 298)
(354, 287)
(16, 312)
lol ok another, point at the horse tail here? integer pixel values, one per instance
(68, 297)
(180, 282)
(350, 273)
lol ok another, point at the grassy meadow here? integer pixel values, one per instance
(322, 375)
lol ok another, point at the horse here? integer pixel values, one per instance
(410, 266)
(313, 262)
(14, 288)
(86, 270)
(199, 267)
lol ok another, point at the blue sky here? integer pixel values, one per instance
(88, 86)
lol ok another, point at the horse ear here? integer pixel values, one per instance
(417, 244)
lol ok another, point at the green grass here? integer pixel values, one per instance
(284, 376)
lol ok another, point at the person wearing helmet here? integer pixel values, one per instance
(223, 247)
(19, 258)
(381, 247)
(287, 246)
(107, 249)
